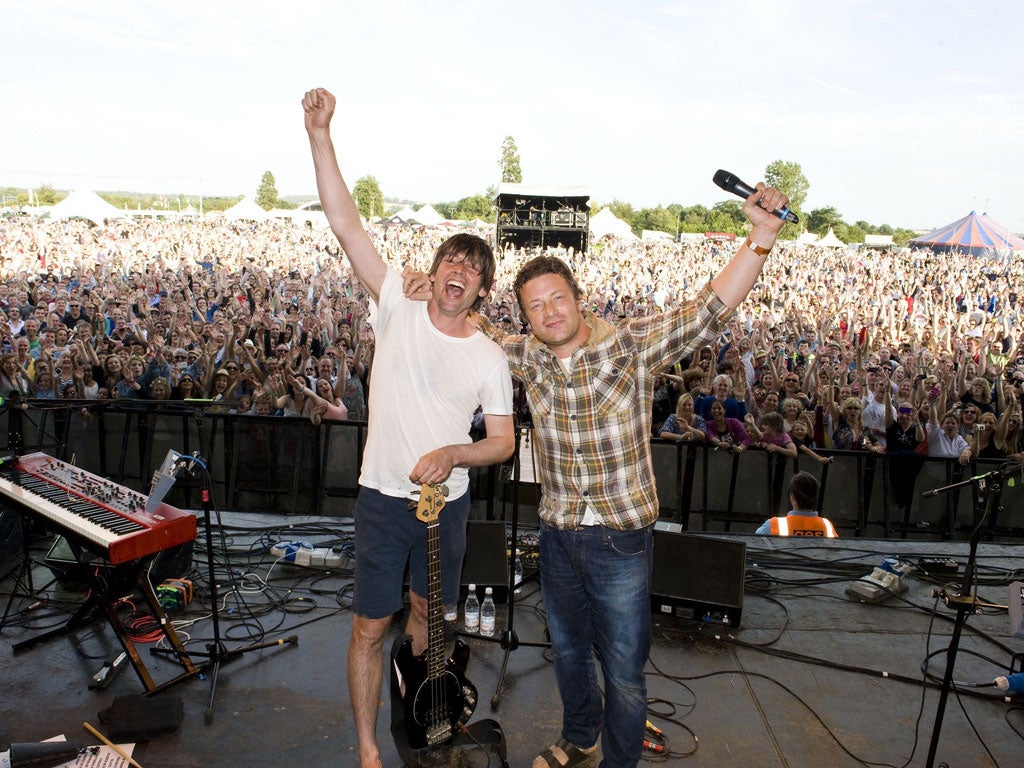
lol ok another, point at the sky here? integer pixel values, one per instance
(900, 112)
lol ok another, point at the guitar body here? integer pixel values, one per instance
(426, 711)
(430, 695)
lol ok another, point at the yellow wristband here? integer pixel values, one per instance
(759, 250)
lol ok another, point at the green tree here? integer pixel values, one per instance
(719, 220)
(820, 219)
(693, 219)
(473, 207)
(849, 233)
(659, 219)
(734, 210)
(790, 179)
(266, 195)
(902, 236)
(511, 172)
(369, 198)
(46, 195)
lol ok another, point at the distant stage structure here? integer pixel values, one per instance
(543, 216)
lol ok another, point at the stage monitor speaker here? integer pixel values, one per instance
(697, 577)
(486, 561)
(562, 218)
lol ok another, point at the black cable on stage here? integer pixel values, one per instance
(747, 674)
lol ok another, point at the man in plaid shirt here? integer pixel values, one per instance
(589, 385)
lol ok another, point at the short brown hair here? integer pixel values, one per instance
(475, 251)
(804, 488)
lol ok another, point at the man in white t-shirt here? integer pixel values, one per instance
(431, 370)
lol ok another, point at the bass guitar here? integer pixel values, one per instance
(430, 695)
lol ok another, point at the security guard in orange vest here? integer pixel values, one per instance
(802, 519)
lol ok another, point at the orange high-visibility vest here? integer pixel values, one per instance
(803, 525)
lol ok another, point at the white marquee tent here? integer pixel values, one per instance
(604, 222)
(85, 204)
(246, 210)
(426, 216)
(830, 241)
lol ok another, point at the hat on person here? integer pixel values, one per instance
(180, 351)
(248, 343)
(760, 353)
(222, 372)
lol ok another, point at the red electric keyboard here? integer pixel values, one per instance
(107, 518)
(110, 520)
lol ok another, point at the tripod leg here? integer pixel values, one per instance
(496, 698)
(208, 715)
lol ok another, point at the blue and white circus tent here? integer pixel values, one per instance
(976, 234)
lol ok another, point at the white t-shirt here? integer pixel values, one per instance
(424, 389)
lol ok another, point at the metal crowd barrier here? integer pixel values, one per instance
(288, 465)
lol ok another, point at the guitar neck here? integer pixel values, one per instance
(435, 607)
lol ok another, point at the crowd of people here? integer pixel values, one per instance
(258, 318)
(807, 350)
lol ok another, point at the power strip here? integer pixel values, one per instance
(883, 582)
(305, 555)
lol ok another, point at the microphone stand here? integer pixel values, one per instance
(509, 639)
(216, 652)
(987, 491)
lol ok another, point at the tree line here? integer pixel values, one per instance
(726, 216)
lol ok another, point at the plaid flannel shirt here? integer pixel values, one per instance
(592, 429)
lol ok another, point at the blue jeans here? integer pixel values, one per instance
(596, 587)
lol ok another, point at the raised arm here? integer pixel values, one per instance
(736, 279)
(338, 205)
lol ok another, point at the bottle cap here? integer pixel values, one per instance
(472, 587)
(487, 591)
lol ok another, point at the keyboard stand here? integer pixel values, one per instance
(23, 585)
(105, 590)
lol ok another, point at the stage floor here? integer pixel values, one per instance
(809, 679)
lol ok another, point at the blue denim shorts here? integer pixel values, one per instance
(389, 537)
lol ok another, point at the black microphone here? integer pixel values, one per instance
(730, 183)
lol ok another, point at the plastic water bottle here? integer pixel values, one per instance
(517, 574)
(487, 614)
(471, 610)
